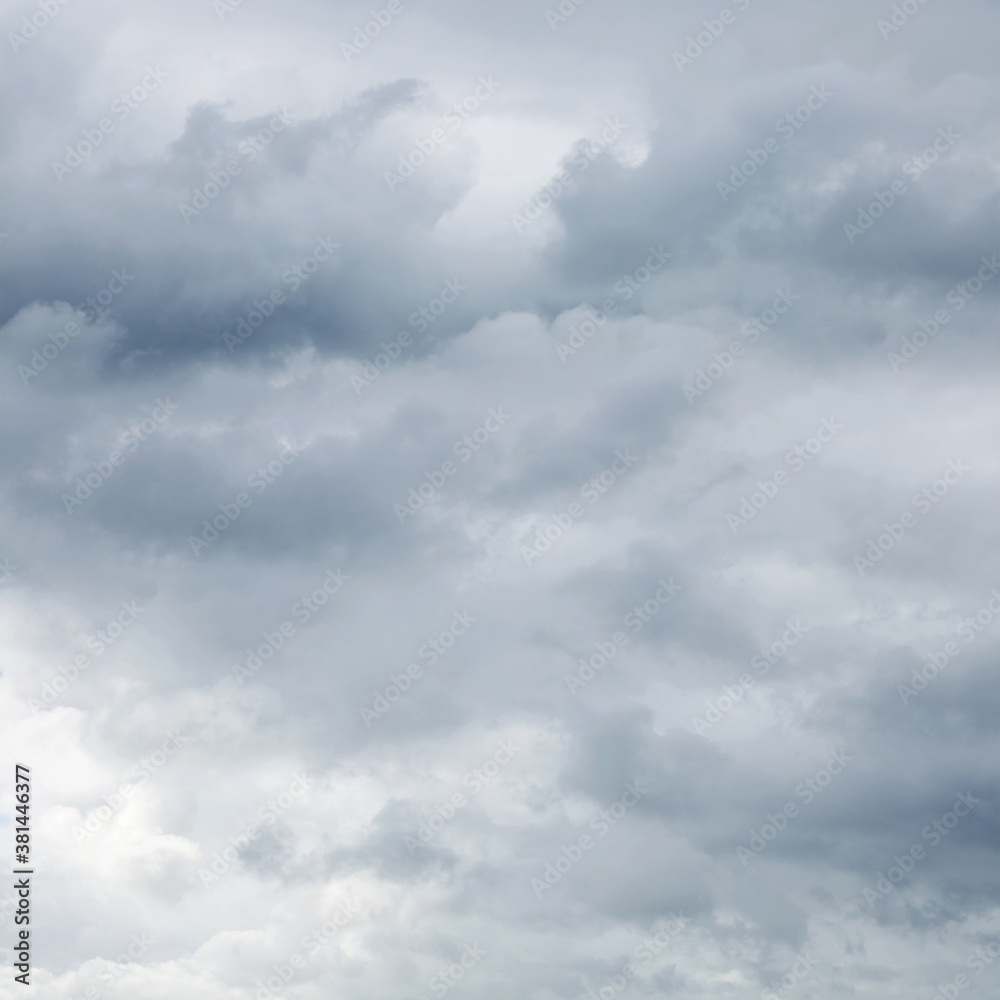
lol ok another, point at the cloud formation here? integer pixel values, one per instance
(497, 500)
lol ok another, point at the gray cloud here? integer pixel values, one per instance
(239, 362)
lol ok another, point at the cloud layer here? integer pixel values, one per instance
(499, 500)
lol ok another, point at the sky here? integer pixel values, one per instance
(496, 499)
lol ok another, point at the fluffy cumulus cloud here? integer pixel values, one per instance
(496, 499)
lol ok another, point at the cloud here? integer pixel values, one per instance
(647, 426)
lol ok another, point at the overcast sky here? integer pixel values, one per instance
(499, 500)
